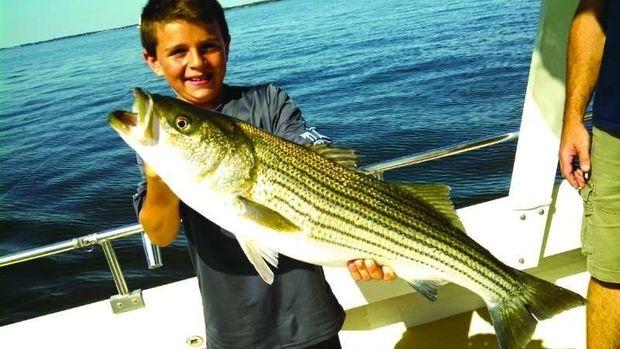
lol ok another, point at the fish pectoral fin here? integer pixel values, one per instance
(437, 195)
(345, 157)
(427, 288)
(266, 217)
(259, 255)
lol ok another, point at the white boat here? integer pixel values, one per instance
(536, 228)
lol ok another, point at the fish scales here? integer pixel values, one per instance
(407, 251)
(407, 229)
(319, 181)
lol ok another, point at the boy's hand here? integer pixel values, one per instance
(156, 185)
(368, 269)
(150, 173)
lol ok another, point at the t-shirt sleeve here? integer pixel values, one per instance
(140, 194)
(287, 121)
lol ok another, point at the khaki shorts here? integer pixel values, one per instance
(601, 225)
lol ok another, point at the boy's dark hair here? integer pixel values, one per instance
(157, 12)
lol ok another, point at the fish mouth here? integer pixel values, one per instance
(123, 121)
(139, 124)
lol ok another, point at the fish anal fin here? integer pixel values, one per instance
(422, 279)
(438, 195)
(266, 217)
(259, 256)
(427, 288)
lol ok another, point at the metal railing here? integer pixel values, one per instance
(82, 242)
(378, 169)
(124, 300)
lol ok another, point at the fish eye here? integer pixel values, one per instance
(182, 122)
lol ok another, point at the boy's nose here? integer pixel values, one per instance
(195, 59)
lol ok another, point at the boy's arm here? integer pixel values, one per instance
(158, 208)
(289, 123)
(585, 50)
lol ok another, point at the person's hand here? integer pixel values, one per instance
(575, 146)
(368, 269)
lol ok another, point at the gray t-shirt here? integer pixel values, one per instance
(240, 309)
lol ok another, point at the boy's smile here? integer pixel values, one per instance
(192, 57)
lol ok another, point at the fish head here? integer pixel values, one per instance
(154, 119)
(174, 136)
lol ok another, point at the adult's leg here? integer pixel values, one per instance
(601, 242)
(603, 315)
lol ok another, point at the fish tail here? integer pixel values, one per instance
(515, 317)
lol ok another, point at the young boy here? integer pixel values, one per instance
(187, 43)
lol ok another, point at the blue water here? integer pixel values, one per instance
(388, 78)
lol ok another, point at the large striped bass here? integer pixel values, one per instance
(277, 197)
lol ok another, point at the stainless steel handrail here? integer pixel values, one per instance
(68, 245)
(404, 161)
(124, 300)
(115, 268)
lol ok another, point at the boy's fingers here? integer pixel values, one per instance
(375, 272)
(388, 273)
(354, 272)
(368, 269)
(359, 263)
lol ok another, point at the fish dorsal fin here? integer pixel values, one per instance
(259, 255)
(266, 217)
(437, 195)
(345, 157)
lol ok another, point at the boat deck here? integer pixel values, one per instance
(173, 317)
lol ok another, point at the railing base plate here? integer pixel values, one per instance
(127, 302)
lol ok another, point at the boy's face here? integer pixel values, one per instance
(192, 58)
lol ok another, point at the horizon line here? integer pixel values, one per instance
(259, 2)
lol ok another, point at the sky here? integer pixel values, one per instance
(26, 21)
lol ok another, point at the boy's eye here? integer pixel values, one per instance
(177, 52)
(182, 122)
(210, 46)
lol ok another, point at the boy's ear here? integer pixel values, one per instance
(153, 63)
